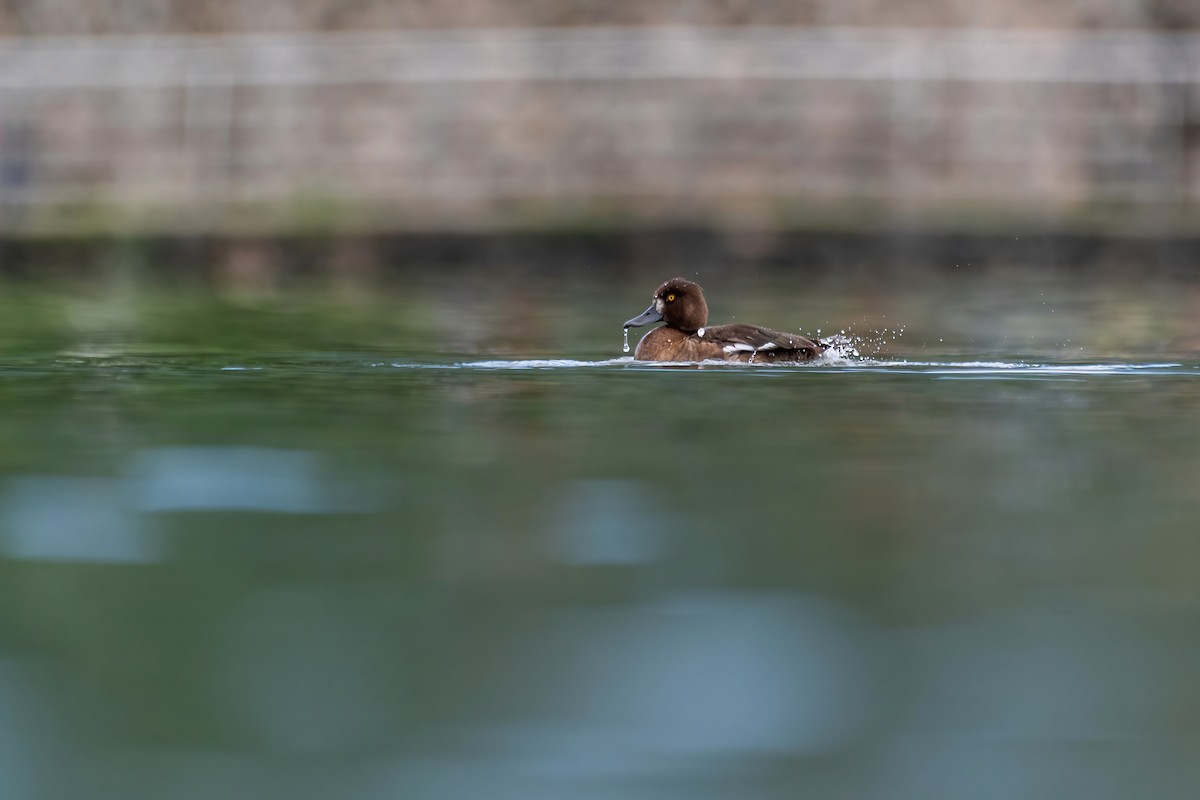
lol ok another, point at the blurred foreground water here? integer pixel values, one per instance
(430, 537)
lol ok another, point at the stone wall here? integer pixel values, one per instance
(479, 129)
(107, 17)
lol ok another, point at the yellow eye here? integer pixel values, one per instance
(670, 298)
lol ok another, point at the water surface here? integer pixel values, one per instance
(291, 554)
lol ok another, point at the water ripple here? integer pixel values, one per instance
(978, 369)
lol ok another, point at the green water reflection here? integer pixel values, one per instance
(301, 547)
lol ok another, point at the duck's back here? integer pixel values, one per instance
(736, 342)
(740, 342)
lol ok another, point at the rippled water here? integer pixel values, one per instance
(1007, 369)
(445, 571)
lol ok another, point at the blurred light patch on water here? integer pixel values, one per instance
(30, 743)
(607, 522)
(690, 676)
(236, 479)
(74, 519)
(1054, 672)
(102, 520)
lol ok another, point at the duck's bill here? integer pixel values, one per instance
(645, 318)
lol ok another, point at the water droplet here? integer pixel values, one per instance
(626, 332)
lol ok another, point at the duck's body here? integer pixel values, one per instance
(746, 343)
(686, 337)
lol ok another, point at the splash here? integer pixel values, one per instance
(839, 349)
(876, 341)
(625, 349)
(847, 346)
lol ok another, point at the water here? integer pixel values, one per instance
(277, 549)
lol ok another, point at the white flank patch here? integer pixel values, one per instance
(733, 348)
(768, 346)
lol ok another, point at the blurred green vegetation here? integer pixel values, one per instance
(456, 297)
(316, 212)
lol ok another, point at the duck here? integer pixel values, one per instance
(687, 336)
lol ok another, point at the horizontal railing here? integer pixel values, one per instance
(610, 54)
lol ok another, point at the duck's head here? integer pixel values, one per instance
(679, 303)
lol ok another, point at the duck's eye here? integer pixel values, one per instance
(670, 298)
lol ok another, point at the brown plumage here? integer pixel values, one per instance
(686, 336)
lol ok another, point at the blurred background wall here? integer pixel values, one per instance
(484, 115)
